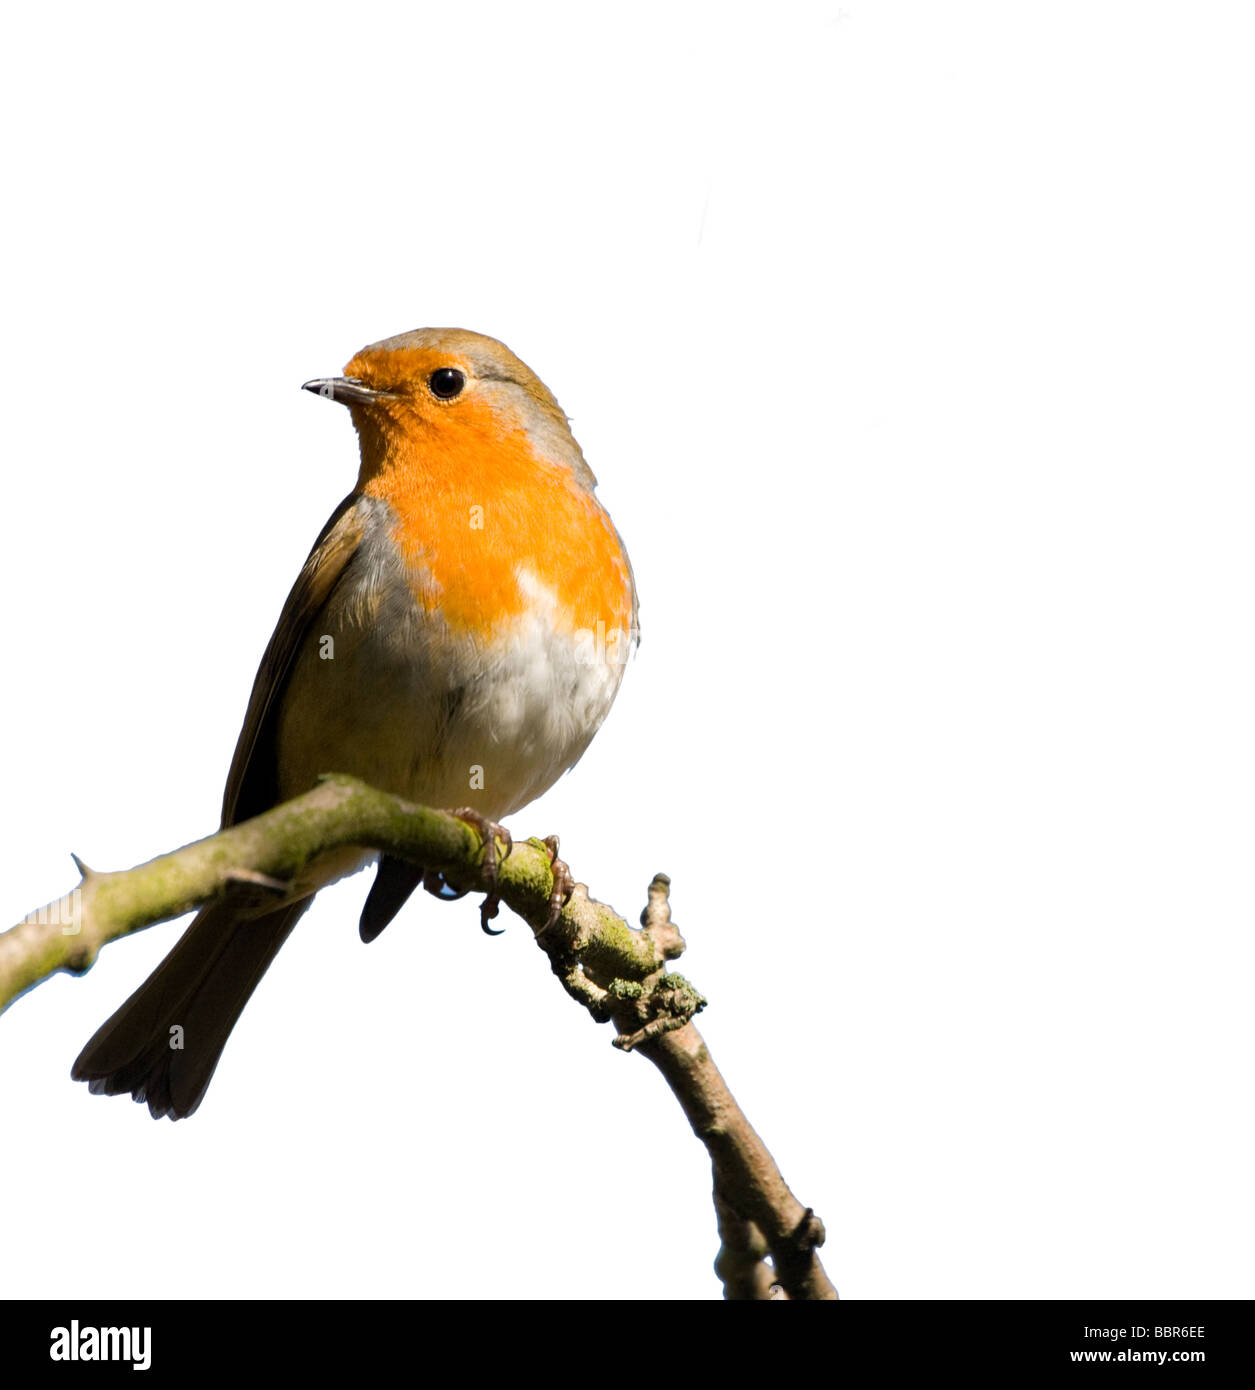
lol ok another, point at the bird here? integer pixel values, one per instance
(456, 637)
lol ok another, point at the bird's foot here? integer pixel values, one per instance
(563, 884)
(490, 832)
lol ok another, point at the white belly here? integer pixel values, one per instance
(397, 699)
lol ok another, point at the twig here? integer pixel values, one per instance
(616, 972)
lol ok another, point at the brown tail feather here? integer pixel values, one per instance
(200, 988)
(395, 880)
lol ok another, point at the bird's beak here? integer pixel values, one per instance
(346, 390)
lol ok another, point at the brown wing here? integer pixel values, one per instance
(252, 783)
(204, 983)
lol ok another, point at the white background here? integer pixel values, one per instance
(912, 346)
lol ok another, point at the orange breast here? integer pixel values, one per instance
(475, 506)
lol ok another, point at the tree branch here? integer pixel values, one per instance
(616, 972)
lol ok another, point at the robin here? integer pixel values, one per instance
(456, 637)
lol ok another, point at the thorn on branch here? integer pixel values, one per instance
(808, 1235)
(656, 919)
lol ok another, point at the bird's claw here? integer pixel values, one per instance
(563, 884)
(490, 831)
(488, 909)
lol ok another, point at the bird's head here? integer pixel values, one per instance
(451, 394)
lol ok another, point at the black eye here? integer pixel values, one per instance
(446, 382)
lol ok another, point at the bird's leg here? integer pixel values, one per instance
(563, 883)
(491, 832)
